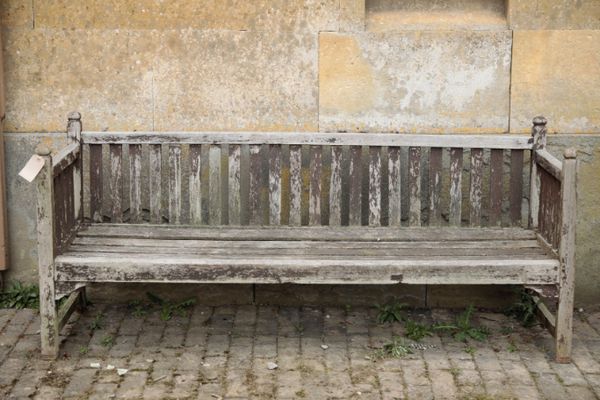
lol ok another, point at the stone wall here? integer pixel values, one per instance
(477, 66)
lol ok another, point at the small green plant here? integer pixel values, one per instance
(512, 347)
(20, 296)
(525, 309)
(417, 331)
(470, 350)
(462, 330)
(83, 350)
(395, 349)
(108, 341)
(98, 322)
(138, 309)
(301, 393)
(390, 312)
(168, 309)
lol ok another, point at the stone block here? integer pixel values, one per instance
(106, 75)
(385, 15)
(554, 14)
(226, 80)
(236, 15)
(352, 15)
(415, 81)
(556, 74)
(16, 13)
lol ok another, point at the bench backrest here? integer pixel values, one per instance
(306, 178)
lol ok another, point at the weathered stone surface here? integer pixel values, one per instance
(414, 81)
(163, 80)
(557, 74)
(352, 15)
(103, 74)
(385, 15)
(240, 15)
(225, 80)
(16, 13)
(554, 14)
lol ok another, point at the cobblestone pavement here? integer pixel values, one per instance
(224, 353)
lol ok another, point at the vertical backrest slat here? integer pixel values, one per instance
(116, 182)
(174, 184)
(275, 184)
(414, 186)
(475, 193)
(314, 203)
(96, 183)
(255, 185)
(355, 185)
(496, 175)
(435, 186)
(374, 186)
(135, 182)
(214, 185)
(58, 222)
(155, 178)
(335, 187)
(394, 187)
(295, 185)
(235, 156)
(456, 163)
(516, 186)
(195, 184)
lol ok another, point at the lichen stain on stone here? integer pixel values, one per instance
(345, 78)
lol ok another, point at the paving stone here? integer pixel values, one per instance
(236, 366)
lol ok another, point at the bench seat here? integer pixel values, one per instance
(340, 255)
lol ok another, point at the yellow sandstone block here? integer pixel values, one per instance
(557, 74)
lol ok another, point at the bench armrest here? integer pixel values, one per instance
(59, 192)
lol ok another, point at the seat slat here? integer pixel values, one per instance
(102, 268)
(512, 245)
(305, 233)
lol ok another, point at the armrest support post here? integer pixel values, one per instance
(566, 251)
(46, 252)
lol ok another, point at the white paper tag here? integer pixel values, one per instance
(32, 168)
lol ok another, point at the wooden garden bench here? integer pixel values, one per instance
(305, 208)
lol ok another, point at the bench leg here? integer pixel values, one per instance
(48, 315)
(564, 323)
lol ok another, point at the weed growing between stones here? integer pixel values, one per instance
(20, 296)
(391, 312)
(397, 348)
(168, 308)
(525, 309)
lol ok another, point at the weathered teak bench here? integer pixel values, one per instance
(305, 208)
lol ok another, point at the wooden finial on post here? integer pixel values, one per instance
(74, 127)
(539, 132)
(42, 150)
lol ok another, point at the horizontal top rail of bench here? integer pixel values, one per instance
(505, 141)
